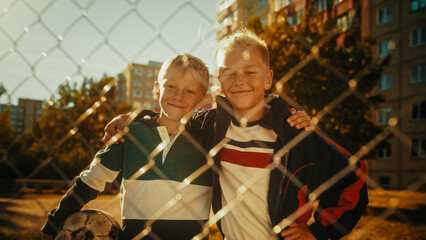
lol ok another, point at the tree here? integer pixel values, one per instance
(7, 148)
(71, 128)
(6, 130)
(316, 85)
(2, 89)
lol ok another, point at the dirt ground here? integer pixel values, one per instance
(375, 228)
(22, 218)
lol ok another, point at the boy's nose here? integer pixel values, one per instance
(239, 80)
(179, 95)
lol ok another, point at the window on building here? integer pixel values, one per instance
(419, 111)
(292, 19)
(418, 148)
(384, 115)
(148, 95)
(418, 73)
(384, 150)
(344, 22)
(138, 72)
(384, 181)
(295, 18)
(149, 73)
(385, 48)
(263, 3)
(320, 5)
(418, 37)
(222, 5)
(385, 82)
(137, 93)
(228, 20)
(137, 83)
(417, 5)
(385, 15)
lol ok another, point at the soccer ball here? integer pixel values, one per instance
(89, 225)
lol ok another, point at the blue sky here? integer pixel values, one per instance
(45, 43)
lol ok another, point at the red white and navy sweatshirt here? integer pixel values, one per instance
(306, 166)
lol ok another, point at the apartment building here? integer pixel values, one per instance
(135, 85)
(231, 14)
(24, 114)
(400, 30)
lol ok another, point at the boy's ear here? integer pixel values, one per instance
(268, 82)
(203, 102)
(156, 91)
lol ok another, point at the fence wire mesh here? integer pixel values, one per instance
(80, 27)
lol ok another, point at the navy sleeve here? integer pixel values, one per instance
(342, 204)
(76, 197)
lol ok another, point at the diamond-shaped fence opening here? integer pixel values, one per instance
(38, 49)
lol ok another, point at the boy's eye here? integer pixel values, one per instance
(190, 91)
(228, 75)
(227, 72)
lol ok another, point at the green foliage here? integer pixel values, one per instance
(2, 89)
(315, 86)
(69, 132)
(8, 148)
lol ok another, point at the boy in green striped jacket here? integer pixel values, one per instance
(150, 181)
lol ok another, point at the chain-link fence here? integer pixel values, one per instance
(120, 29)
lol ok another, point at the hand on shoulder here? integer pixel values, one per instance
(300, 119)
(114, 127)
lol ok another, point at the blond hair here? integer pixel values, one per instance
(182, 63)
(243, 39)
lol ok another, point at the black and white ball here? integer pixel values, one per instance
(90, 224)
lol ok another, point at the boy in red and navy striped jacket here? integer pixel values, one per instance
(269, 178)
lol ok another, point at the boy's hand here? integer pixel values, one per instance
(297, 231)
(299, 120)
(48, 237)
(116, 125)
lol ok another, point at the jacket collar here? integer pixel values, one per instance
(274, 118)
(148, 117)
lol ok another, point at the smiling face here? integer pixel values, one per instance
(244, 77)
(179, 93)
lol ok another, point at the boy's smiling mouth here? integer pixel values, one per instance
(176, 106)
(240, 93)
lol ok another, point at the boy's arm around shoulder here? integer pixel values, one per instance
(86, 187)
(201, 126)
(343, 202)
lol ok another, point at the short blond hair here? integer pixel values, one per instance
(244, 39)
(184, 62)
